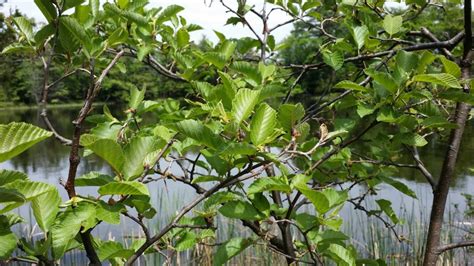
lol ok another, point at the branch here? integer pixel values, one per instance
(44, 102)
(421, 167)
(158, 157)
(65, 141)
(140, 223)
(311, 113)
(288, 94)
(244, 21)
(390, 226)
(197, 188)
(228, 182)
(153, 63)
(449, 44)
(455, 245)
(56, 82)
(379, 162)
(425, 32)
(281, 24)
(195, 226)
(162, 70)
(344, 144)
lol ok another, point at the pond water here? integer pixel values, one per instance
(48, 162)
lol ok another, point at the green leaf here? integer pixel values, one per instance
(109, 150)
(230, 249)
(399, 186)
(457, 96)
(233, 21)
(269, 184)
(241, 210)
(94, 4)
(320, 202)
(76, 30)
(333, 59)
(135, 153)
(442, 79)
(11, 195)
(186, 241)
(451, 67)
(182, 37)
(8, 240)
(44, 33)
(30, 189)
(266, 70)
(124, 188)
(168, 12)
(143, 51)
(411, 139)
(386, 207)
(199, 132)
(227, 49)
(45, 208)
(234, 149)
(8, 176)
(135, 18)
(16, 48)
(387, 115)
(263, 124)
(47, 8)
(437, 121)
(323, 200)
(119, 36)
(364, 110)
(109, 213)
(407, 61)
(217, 59)
(334, 197)
(136, 97)
(220, 197)
(289, 114)
(25, 27)
(71, 3)
(113, 249)
(68, 225)
(346, 84)
(205, 178)
(243, 104)
(360, 34)
(250, 71)
(392, 24)
(384, 79)
(342, 255)
(93, 179)
(17, 137)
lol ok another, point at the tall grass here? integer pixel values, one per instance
(368, 235)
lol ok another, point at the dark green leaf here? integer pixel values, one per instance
(230, 249)
(241, 210)
(199, 132)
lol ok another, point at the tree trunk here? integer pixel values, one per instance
(441, 190)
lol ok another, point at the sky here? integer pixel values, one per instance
(210, 17)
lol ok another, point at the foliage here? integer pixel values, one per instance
(261, 158)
